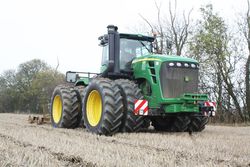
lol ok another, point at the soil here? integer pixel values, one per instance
(24, 144)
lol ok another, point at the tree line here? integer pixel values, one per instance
(222, 49)
(28, 89)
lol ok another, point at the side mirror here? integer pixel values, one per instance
(71, 76)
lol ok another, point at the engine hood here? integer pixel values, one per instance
(163, 58)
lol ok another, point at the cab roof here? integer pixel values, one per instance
(137, 37)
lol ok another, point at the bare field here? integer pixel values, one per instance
(24, 144)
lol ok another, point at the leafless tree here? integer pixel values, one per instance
(171, 35)
(179, 31)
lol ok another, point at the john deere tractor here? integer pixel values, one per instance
(135, 89)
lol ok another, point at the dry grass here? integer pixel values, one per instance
(24, 144)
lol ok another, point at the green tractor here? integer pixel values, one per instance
(135, 88)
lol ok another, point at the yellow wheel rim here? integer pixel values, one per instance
(94, 108)
(57, 109)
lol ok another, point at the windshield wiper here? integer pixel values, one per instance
(144, 46)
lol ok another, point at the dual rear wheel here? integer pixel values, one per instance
(108, 106)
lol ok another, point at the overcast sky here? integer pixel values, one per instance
(68, 30)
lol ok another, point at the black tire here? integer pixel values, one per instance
(79, 90)
(80, 95)
(111, 107)
(181, 123)
(130, 92)
(163, 123)
(146, 123)
(69, 112)
(198, 122)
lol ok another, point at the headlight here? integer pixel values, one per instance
(171, 64)
(186, 65)
(178, 64)
(193, 65)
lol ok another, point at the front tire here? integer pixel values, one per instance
(198, 122)
(102, 107)
(163, 123)
(181, 123)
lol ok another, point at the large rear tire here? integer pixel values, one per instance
(102, 107)
(198, 122)
(146, 123)
(65, 107)
(130, 92)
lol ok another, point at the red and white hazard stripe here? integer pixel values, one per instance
(211, 104)
(141, 107)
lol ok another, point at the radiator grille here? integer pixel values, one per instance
(176, 81)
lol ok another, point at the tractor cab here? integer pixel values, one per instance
(119, 50)
(132, 48)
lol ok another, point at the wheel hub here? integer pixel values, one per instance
(57, 109)
(94, 107)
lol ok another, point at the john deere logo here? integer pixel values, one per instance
(186, 79)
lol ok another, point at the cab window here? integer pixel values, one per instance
(131, 48)
(105, 55)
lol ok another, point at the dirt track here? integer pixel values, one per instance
(24, 144)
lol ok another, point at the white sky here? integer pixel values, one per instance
(47, 29)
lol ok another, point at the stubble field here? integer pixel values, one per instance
(24, 144)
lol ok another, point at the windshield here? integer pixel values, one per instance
(131, 48)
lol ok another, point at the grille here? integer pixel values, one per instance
(176, 81)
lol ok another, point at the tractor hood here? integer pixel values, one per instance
(166, 76)
(163, 58)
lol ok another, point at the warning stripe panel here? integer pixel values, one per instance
(208, 103)
(141, 107)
